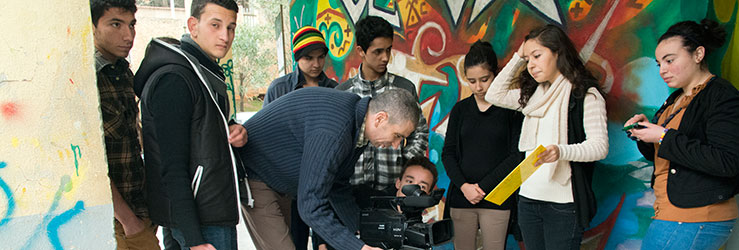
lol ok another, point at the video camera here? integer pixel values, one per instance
(383, 225)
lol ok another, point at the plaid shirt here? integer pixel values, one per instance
(123, 149)
(362, 140)
(379, 167)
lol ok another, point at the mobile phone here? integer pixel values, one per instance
(634, 126)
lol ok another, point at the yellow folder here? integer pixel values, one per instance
(513, 181)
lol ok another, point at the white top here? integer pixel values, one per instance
(543, 184)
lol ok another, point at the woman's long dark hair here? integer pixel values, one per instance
(569, 63)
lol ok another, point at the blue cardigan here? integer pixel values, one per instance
(304, 144)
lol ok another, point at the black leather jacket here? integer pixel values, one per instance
(704, 162)
(211, 177)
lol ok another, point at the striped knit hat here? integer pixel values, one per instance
(307, 39)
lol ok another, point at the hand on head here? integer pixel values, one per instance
(520, 49)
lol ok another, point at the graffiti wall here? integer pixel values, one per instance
(54, 191)
(616, 38)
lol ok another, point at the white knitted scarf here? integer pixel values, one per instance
(555, 99)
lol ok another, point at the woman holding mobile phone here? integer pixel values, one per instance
(692, 140)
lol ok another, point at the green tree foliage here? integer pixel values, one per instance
(255, 50)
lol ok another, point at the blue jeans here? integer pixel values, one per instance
(548, 225)
(221, 237)
(687, 235)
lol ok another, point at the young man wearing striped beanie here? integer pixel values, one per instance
(309, 51)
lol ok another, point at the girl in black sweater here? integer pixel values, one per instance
(480, 149)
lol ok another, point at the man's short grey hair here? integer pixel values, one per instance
(400, 105)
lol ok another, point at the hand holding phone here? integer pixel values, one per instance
(635, 125)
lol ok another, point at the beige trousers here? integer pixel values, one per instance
(493, 224)
(268, 220)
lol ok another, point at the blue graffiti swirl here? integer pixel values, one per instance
(9, 195)
(52, 229)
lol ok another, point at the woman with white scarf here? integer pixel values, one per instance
(565, 111)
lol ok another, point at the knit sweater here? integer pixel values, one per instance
(304, 144)
(295, 80)
(481, 147)
(540, 186)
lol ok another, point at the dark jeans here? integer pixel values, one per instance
(548, 225)
(221, 237)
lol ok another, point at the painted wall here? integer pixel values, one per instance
(617, 38)
(54, 190)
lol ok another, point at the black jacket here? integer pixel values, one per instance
(198, 186)
(704, 162)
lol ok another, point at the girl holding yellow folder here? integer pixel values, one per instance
(564, 109)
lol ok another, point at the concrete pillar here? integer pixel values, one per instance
(54, 189)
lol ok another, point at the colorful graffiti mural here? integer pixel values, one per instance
(54, 189)
(616, 38)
